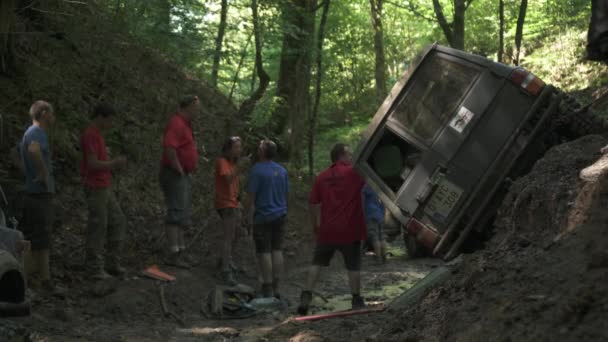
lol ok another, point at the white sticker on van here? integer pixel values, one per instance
(461, 119)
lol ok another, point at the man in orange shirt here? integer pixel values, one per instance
(228, 170)
(179, 160)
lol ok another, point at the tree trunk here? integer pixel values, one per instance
(218, 43)
(501, 32)
(238, 68)
(249, 105)
(519, 31)
(443, 23)
(458, 24)
(454, 31)
(7, 23)
(315, 111)
(294, 74)
(380, 73)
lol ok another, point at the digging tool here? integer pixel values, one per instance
(378, 308)
(163, 304)
(155, 273)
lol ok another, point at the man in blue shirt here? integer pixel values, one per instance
(374, 218)
(267, 192)
(39, 187)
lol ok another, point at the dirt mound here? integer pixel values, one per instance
(76, 60)
(540, 276)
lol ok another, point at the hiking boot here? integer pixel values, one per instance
(116, 270)
(113, 259)
(357, 302)
(49, 288)
(176, 260)
(267, 291)
(305, 300)
(94, 266)
(275, 288)
(228, 278)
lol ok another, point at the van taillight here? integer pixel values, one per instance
(422, 233)
(527, 81)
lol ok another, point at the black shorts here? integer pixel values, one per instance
(351, 253)
(226, 213)
(37, 220)
(268, 236)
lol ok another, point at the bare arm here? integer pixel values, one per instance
(17, 161)
(247, 210)
(315, 217)
(172, 155)
(35, 153)
(238, 169)
(94, 163)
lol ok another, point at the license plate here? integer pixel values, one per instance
(443, 201)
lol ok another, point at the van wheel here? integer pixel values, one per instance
(414, 249)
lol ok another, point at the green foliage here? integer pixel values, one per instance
(185, 30)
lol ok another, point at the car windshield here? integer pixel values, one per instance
(432, 99)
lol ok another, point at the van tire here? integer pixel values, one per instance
(414, 249)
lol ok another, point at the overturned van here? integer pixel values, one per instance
(452, 132)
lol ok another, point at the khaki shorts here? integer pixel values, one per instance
(178, 196)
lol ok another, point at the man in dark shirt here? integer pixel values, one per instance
(338, 223)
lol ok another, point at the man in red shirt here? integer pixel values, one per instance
(178, 162)
(338, 223)
(106, 220)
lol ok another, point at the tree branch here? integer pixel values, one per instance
(319, 5)
(443, 22)
(413, 9)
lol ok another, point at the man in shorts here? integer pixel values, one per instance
(374, 220)
(39, 188)
(338, 223)
(267, 192)
(179, 161)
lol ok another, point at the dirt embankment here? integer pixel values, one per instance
(75, 60)
(542, 277)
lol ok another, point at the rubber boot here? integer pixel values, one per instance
(275, 288)
(94, 265)
(267, 290)
(228, 278)
(175, 259)
(357, 302)
(305, 300)
(113, 259)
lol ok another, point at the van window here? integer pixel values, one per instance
(393, 159)
(431, 101)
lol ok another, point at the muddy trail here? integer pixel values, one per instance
(541, 277)
(130, 309)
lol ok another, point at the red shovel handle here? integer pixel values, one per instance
(379, 308)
